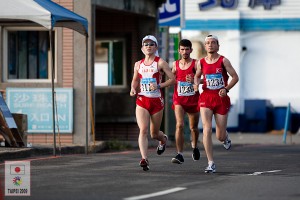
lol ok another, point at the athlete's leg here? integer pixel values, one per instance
(221, 123)
(143, 118)
(155, 123)
(221, 117)
(193, 122)
(206, 117)
(179, 136)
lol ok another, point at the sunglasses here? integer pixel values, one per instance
(149, 44)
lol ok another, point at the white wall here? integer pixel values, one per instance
(270, 67)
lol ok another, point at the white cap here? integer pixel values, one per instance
(150, 37)
(211, 36)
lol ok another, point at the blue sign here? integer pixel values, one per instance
(36, 103)
(169, 13)
(266, 3)
(231, 4)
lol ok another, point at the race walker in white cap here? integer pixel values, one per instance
(151, 37)
(146, 85)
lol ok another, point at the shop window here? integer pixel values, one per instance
(110, 63)
(27, 55)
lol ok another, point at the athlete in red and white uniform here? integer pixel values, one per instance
(214, 100)
(146, 84)
(151, 100)
(185, 100)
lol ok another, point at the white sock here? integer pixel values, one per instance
(210, 162)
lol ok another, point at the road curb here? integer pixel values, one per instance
(43, 150)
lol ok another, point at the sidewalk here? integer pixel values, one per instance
(7, 153)
(263, 138)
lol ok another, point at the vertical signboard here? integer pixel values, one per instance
(17, 178)
(173, 46)
(169, 13)
(36, 103)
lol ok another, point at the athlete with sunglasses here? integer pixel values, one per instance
(146, 85)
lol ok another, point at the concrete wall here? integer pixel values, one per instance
(269, 69)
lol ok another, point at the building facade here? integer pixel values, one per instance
(260, 38)
(116, 29)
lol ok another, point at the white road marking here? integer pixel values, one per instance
(264, 172)
(155, 194)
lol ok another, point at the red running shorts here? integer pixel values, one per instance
(214, 102)
(153, 105)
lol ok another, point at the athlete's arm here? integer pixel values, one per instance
(174, 67)
(164, 66)
(231, 71)
(135, 80)
(196, 67)
(197, 76)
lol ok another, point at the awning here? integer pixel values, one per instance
(43, 12)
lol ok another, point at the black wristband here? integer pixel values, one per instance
(226, 89)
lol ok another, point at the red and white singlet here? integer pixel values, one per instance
(149, 74)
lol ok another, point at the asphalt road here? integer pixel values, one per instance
(245, 172)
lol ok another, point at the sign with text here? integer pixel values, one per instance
(17, 178)
(232, 4)
(37, 104)
(169, 13)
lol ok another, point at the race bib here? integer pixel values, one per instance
(214, 81)
(145, 87)
(185, 89)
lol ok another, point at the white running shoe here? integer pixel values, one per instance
(211, 168)
(227, 142)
